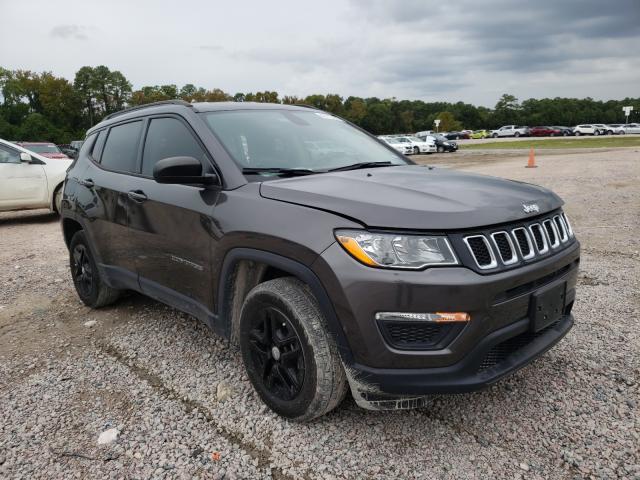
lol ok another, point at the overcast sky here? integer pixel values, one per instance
(408, 49)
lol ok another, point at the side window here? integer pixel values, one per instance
(99, 145)
(121, 148)
(9, 155)
(168, 137)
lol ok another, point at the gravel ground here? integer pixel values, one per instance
(183, 407)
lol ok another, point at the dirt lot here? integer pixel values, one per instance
(184, 408)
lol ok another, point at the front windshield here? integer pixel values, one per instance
(42, 148)
(295, 139)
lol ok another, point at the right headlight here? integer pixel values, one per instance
(389, 250)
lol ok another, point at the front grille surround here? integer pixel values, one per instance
(493, 263)
(509, 246)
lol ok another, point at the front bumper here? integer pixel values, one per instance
(498, 304)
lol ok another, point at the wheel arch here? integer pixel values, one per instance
(69, 229)
(244, 268)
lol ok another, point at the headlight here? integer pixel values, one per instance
(388, 250)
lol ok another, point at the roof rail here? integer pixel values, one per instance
(146, 105)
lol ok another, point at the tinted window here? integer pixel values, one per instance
(99, 145)
(121, 148)
(168, 137)
(9, 155)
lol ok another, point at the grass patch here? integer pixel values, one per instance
(565, 142)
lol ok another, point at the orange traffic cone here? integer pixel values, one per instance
(532, 160)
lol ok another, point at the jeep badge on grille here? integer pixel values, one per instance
(530, 207)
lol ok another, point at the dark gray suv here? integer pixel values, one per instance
(334, 262)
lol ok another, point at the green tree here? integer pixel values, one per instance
(448, 123)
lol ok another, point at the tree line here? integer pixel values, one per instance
(43, 106)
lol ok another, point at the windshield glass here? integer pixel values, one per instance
(294, 139)
(42, 148)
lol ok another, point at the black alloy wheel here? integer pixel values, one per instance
(276, 353)
(289, 355)
(90, 286)
(82, 271)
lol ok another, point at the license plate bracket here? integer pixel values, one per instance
(547, 306)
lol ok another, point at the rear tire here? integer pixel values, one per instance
(289, 355)
(90, 286)
(517, 134)
(440, 149)
(577, 134)
(495, 135)
(596, 133)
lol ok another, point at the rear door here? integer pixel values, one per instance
(103, 198)
(22, 184)
(170, 225)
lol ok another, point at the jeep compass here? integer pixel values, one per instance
(334, 262)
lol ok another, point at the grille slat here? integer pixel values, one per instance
(481, 251)
(539, 238)
(551, 233)
(524, 242)
(505, 247)
(562, 231)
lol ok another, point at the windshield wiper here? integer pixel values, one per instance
(356, 166)
(279, 171)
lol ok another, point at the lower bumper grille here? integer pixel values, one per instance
(501, 351)
(414, 335)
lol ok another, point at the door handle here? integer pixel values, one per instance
(87, 182)
(137, 196)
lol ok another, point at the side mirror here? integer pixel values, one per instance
(182, 170)
(25, 157)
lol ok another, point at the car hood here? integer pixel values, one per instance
(414, 197)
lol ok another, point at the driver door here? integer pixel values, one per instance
(22, 184)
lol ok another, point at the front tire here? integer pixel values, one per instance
(90, 286)
(577, 134)
(290, 357)
(440, 149)
(517, 134)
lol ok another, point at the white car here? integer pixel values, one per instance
(628, 128)
(419, 145)
(586, 129)
(404, 147)
(29, 180)
(510, 131)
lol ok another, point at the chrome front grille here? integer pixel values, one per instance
(522, 243)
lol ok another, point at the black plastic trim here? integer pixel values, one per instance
(295, 268)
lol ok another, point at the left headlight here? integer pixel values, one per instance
(389, 250)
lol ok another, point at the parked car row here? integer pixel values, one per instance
(51, 150)
(410, 144)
